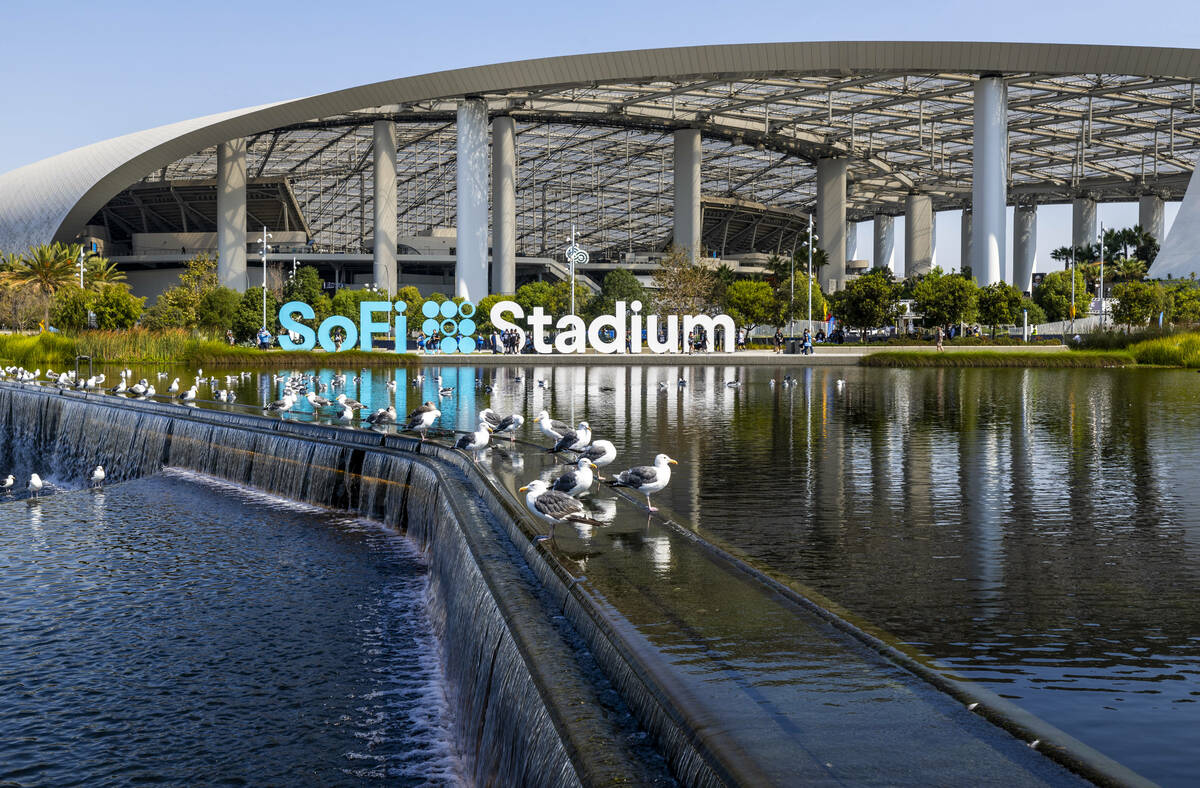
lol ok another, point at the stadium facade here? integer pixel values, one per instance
(471, 180)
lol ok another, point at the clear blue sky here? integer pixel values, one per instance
(78, 72)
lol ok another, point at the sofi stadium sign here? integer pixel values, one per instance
(455, 324)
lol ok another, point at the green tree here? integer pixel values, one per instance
(413, 301)
(248, 317)
(47, 269)
(1053, 294)
(1185, 304)
(751, 304)
(179, 306)
(70, 308)
(535, 294)
(117, 308)
(305, 286)
(560, 298)
(999, 305)
(793, 298)
(100, 272)
(945, 299)
(483, 313)
(618, 285)
(1136, 303)
(869, 301)
(217, 308)
(346, 302)
(1035, 313)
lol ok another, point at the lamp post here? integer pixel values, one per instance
(1072, 289)
(811, 238)
(1102, 276)
(575, 255)
(265, 236)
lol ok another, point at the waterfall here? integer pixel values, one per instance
(530, 707)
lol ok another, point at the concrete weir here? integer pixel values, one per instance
(553, 677)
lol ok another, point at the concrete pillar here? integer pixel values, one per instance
(231, 214)
(831, 220)
(918, 235)
(1150, 215)
(471, 263)
(964, 257)
(687, 191)
(504, 205)
(1024, 246)
(851, 240)
(989, 190)
(385, 206)
(1083, 221)
(885, 242)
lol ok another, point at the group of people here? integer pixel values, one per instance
(506, 342)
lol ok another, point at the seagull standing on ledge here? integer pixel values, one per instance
(647, 479)
(7, 485)
(35, 485)
(510, 424)
(552, 428)
(383, 416)
(98, 476)
(553, 506)
(475, 441)
(578, 481)
(601, 453)
(577, 439)
(421, 419)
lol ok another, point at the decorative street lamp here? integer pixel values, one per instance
(265, 236)
(576, 255)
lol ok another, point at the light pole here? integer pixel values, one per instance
(1072, 289)
(811, 238)
(575, 254)
(265, 236)
(1102, 276)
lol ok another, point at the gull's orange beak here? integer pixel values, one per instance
(672, 462)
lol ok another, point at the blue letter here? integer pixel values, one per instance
(367, 326)
(307, 337)
(401, 327)
(337, 320)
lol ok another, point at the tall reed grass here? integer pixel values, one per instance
(1177, 350)
(1080, 359)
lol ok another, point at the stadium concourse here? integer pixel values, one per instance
(470, 179)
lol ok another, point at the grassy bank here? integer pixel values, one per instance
(1080, 359)
(140, 346)
(1176, 350)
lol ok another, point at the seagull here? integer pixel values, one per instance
(488, 415)
(35, 485)
(552, 428)
(553, 506)
(282, 405)
(7, 485)
(347, 414)
(174, 387)
(574, 440)
(475, 441)
(189, 395)
(445, 391)
(317, 402)
(342, 399)
(421, 419)
(647, 479)
(98, 476)
(119, 388)
(578, 481)
(510, 424)
(383, 416)
(601, 453)
(139, 388)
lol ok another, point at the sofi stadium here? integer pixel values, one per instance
(471, 179)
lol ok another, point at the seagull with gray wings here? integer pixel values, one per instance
(647, 479)
(553, 506)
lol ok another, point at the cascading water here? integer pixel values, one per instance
(526, 713)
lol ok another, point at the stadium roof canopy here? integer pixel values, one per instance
(594, 136)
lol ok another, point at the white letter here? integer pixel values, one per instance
(616, 323)
(635, 327)
(672, 343)
(502, 324)
(572, 336)
(709, 324)
(538, 322)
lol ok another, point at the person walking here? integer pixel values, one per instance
(779, 340)
(807, 343)
(939, 340)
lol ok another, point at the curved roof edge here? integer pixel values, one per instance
(50, 199)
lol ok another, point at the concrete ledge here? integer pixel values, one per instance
(826, 355)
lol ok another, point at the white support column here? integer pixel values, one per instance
(687, 191)
(885, 242)
(989, 192)
(918, 235)
(1150, 215)
(1083, 221)
(831, 220)
(964, 257)
(504, 205)
(1024, 245)
(231, 214)
(471, 264)
(385, 207)
(851, 241)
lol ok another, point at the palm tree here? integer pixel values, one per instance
(102, 272)
(46, 269)
(1129, 270)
